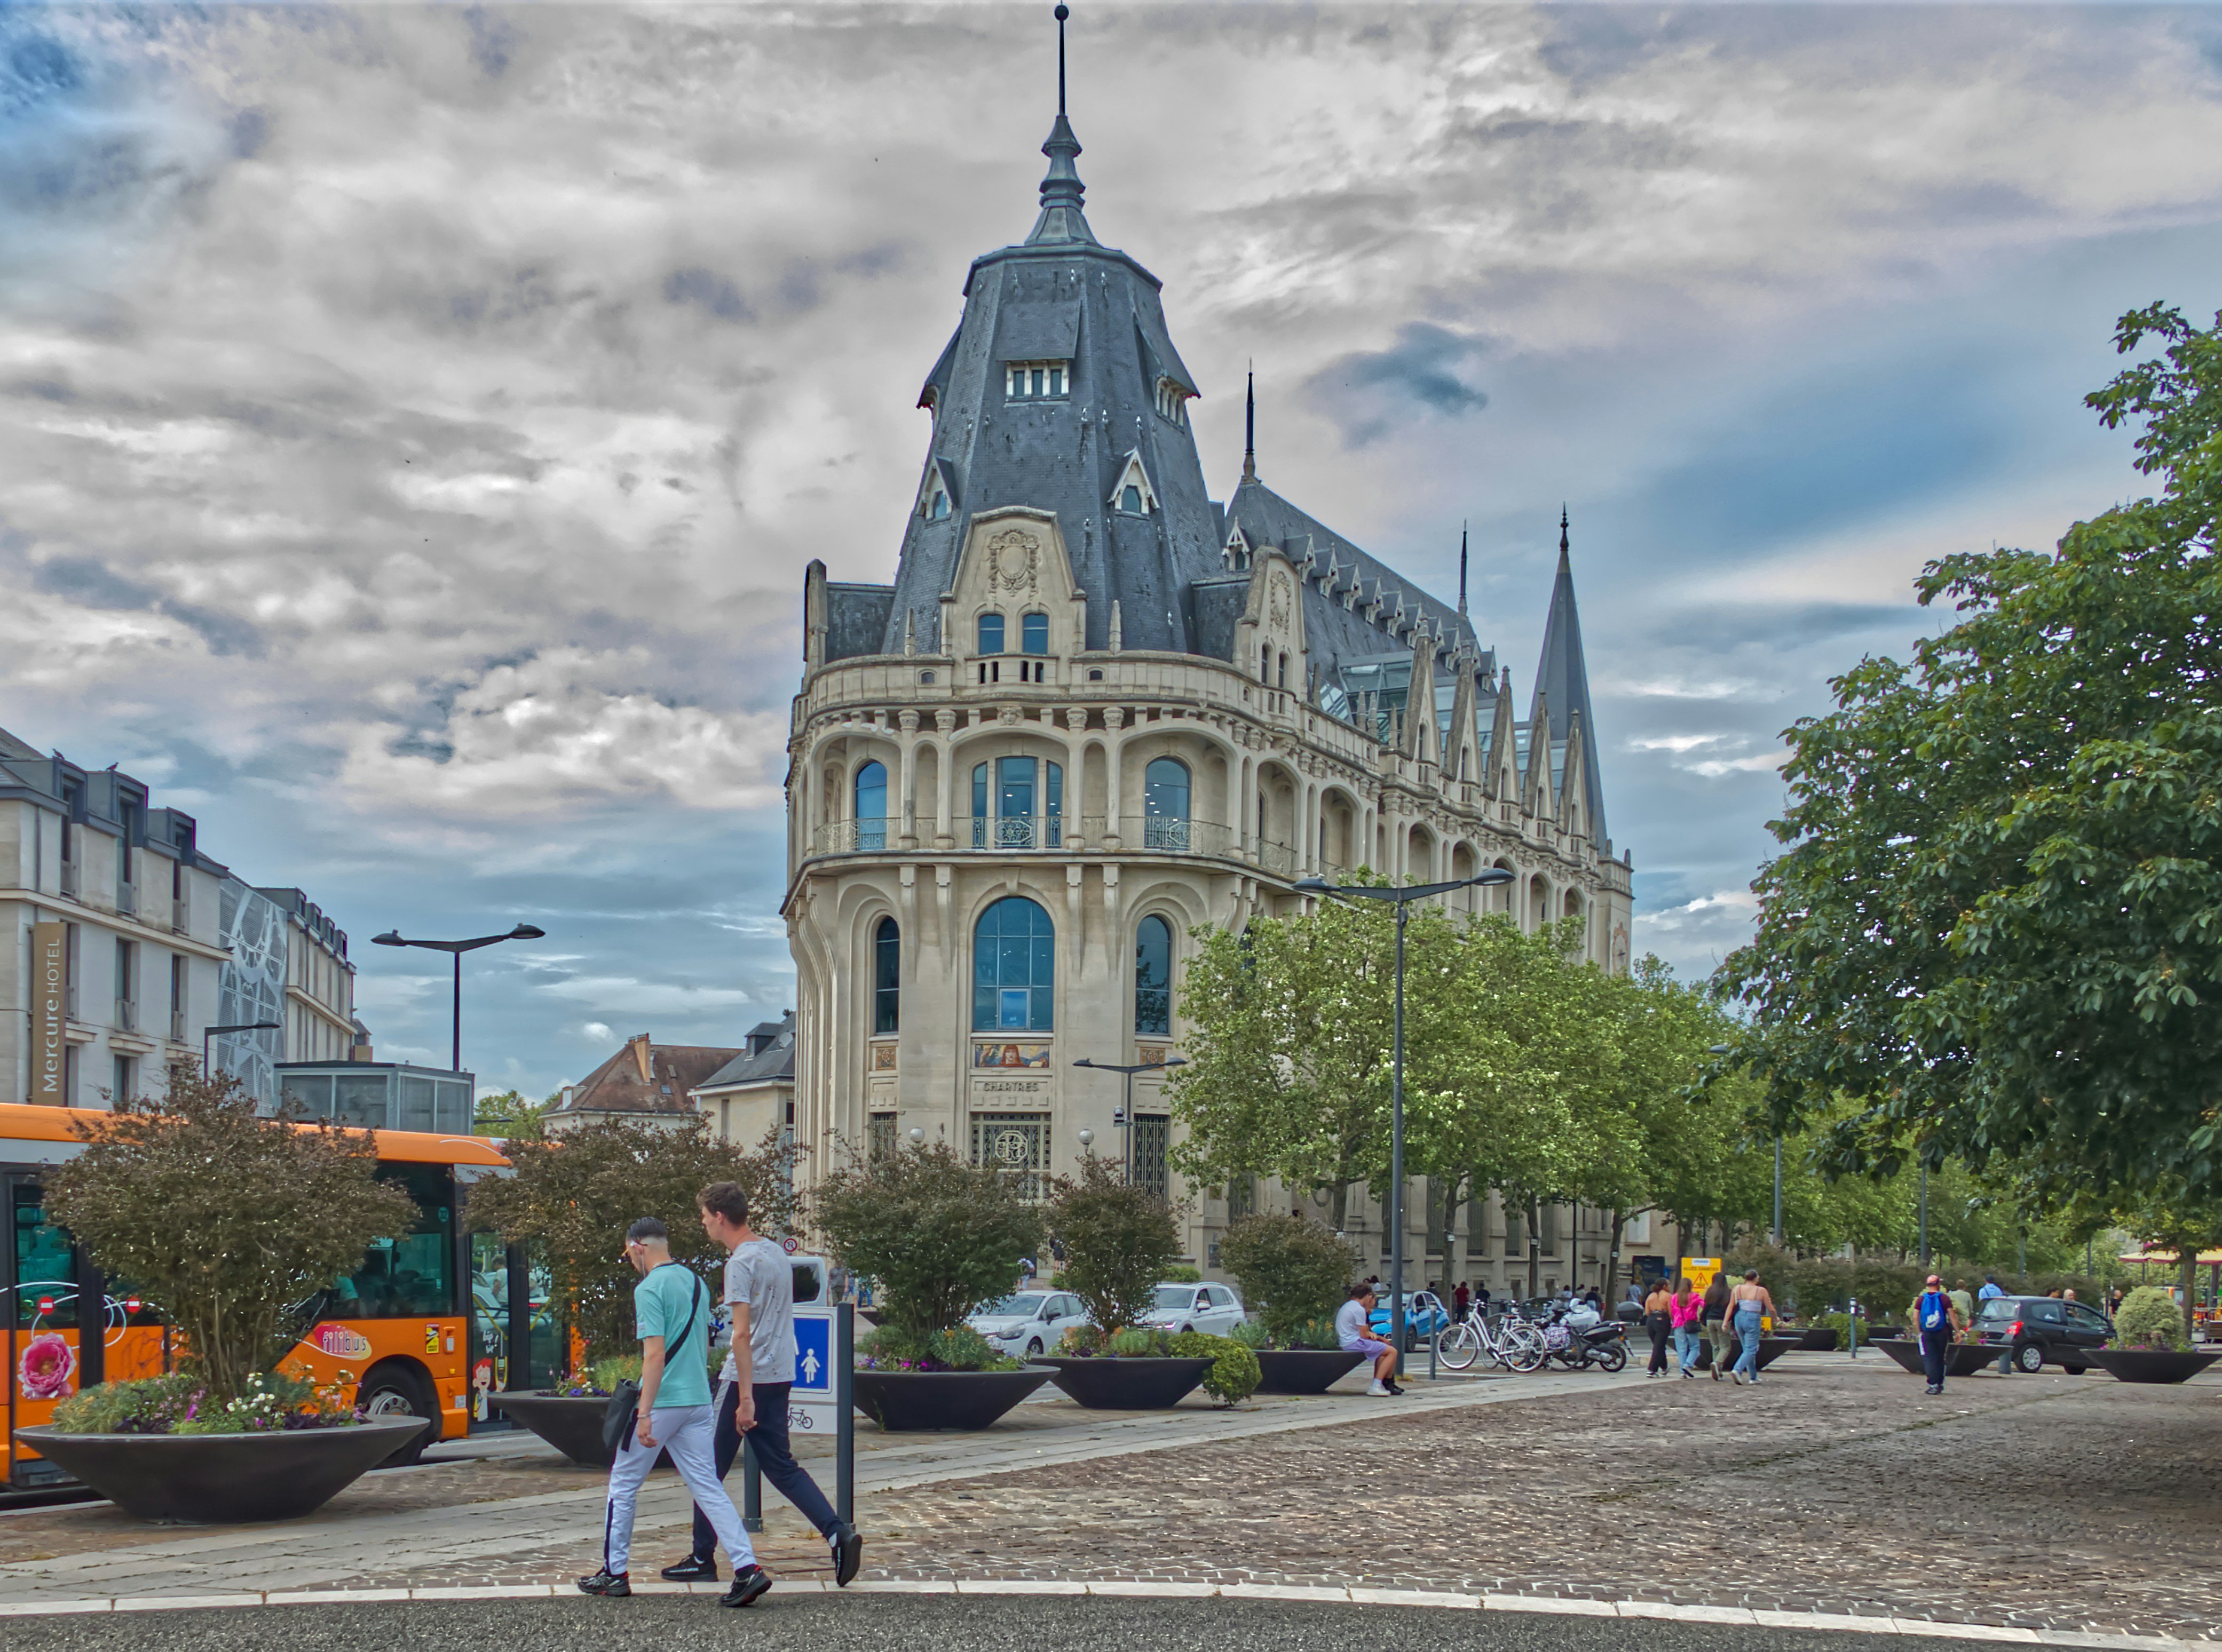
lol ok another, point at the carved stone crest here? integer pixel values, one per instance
(1277, 599)
(1013, 562)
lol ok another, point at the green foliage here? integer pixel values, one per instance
(1997, 929)
(222, 1219)
(2149, 1318)
(183, 1403)
(1134, 1342)
(958, 1348)
(507, 1113)
(1118, 1239)
(1233, 1376)
(1314, 1333)
(1181, 1273)
(942, 1237)
(1290, 1268)
(574, 1195)
(1252, 1333)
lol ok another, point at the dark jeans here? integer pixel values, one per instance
(1658, 1325)
(768, 1439)
(1934, 1346)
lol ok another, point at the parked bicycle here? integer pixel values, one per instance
(1508, 1339)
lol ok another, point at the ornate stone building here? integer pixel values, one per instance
(1098, 708)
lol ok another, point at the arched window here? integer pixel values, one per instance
(991, 633)
(1034, 634)
(1014, 968)
(1153, 977)
(886, 977)
(1013, 814)
(1164, 804)
(872, 806)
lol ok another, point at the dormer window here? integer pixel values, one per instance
(1173, 401)
(934, 503)
(1036, 381)
(1133, 496)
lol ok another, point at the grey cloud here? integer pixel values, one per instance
(1369, 393)
(708, 291)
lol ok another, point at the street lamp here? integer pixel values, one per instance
(208, 1033)
(1402, 898)
(1126, 1116)
(457, 949)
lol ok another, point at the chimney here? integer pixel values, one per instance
(638, 1045)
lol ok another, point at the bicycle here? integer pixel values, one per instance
(1507, 1339)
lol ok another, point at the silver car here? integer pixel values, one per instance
(1028, 1324)
(1214, 1309)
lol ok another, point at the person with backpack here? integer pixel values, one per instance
(1937, 1321)
(672, 1414)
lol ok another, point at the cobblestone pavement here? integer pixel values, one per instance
(2069, 1504)
(1833, 1486)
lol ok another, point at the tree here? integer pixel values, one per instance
(941, 1237)
(226, 1220)
(1118, 1238)
(507, 1113)
(1291, 1270)
(574, 1195)
(1997, 930)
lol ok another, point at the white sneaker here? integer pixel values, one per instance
(1378, 1392)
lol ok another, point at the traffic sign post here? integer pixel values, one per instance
(818, 1401)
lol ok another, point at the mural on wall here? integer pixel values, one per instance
(999, 1055)
(250, 987)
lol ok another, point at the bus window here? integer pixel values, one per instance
(45, 1265)
(411, 1277)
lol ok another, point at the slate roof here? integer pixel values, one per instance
(619, 1084)
(769, 1058)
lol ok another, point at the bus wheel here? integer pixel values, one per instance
(395, 1390)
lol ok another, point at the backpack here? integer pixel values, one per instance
(1933, 1310)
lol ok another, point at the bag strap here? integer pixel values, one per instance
(693, 1308)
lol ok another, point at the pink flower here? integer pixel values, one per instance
(46, 1366)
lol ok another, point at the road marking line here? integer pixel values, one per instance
(163, 1603)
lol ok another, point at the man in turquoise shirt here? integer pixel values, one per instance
(672, 1312)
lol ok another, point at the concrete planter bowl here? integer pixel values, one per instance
(2152, 1364)
(1303, 1370)
(222, 1479)
(1961, 1360)
(920, 1402)
(1107, 1382)
(574, 1427)
(1819, 1339)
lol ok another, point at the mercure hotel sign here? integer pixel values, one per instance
(50, 1009)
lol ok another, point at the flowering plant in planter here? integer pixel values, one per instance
(958, 1348)
(2150, 1319)
(1293, 1273)
(184, 1402)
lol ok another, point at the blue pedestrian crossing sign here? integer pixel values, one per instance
(813, 1356)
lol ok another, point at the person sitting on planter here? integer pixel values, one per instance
(673, 1313)
(1354, 1328)
(753, 1389)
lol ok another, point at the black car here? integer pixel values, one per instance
(2042, 1330)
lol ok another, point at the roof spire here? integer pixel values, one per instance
(1562, 535)
(1061, 188)
(1250, 426)
(1461, 570)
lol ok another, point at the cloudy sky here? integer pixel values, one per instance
(414, 420)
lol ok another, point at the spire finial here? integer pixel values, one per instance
(1060, 189)
(1250, 425)
(1562, 533)
(1461, 570)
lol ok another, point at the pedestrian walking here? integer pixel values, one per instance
(1461, 1299)
(1749, 1304)
(1683, 1309)
(1935, 1317)
(1963, 1300)
(754, 1387)
(672, 1312)
(1658, 1319)
(1354, 1328)
(1713, 1315)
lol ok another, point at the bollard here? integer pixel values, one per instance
(751, 1489)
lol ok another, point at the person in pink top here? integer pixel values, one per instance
(1685, 1308)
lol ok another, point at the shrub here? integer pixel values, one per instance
(575, 1196)
(1134, 1343)
(1233, 1376)
(1315, 1333)
(1253, 1334)
(223, 1220)
(1181, 1273)
(2150, 1317)
(1119, 1240)
(184, 1402)
(1291, 1269)
(942, 1237)
(960, 1349)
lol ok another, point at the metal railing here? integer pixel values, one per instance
(176, 1026)
(181, 915)
(70, 879)
(998, 833)
(1015, 832)
(127, 898)
(127, 1015)
(867, 837)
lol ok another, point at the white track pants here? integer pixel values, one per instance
(689, 1433)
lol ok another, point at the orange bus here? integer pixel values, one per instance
(410, 1325)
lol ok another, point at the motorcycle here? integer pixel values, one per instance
(1578, 1338)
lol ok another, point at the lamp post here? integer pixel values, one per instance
(1402, 898)
(208, 1033)
(457, 949)
(1126, 1116)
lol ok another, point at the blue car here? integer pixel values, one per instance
(1424, 1314)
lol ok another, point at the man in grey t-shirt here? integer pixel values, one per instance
(753, 1387)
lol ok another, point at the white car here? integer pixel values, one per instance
(1214, 1309)
(1028, 1324)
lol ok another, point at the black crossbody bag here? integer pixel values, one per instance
(622, 1415)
